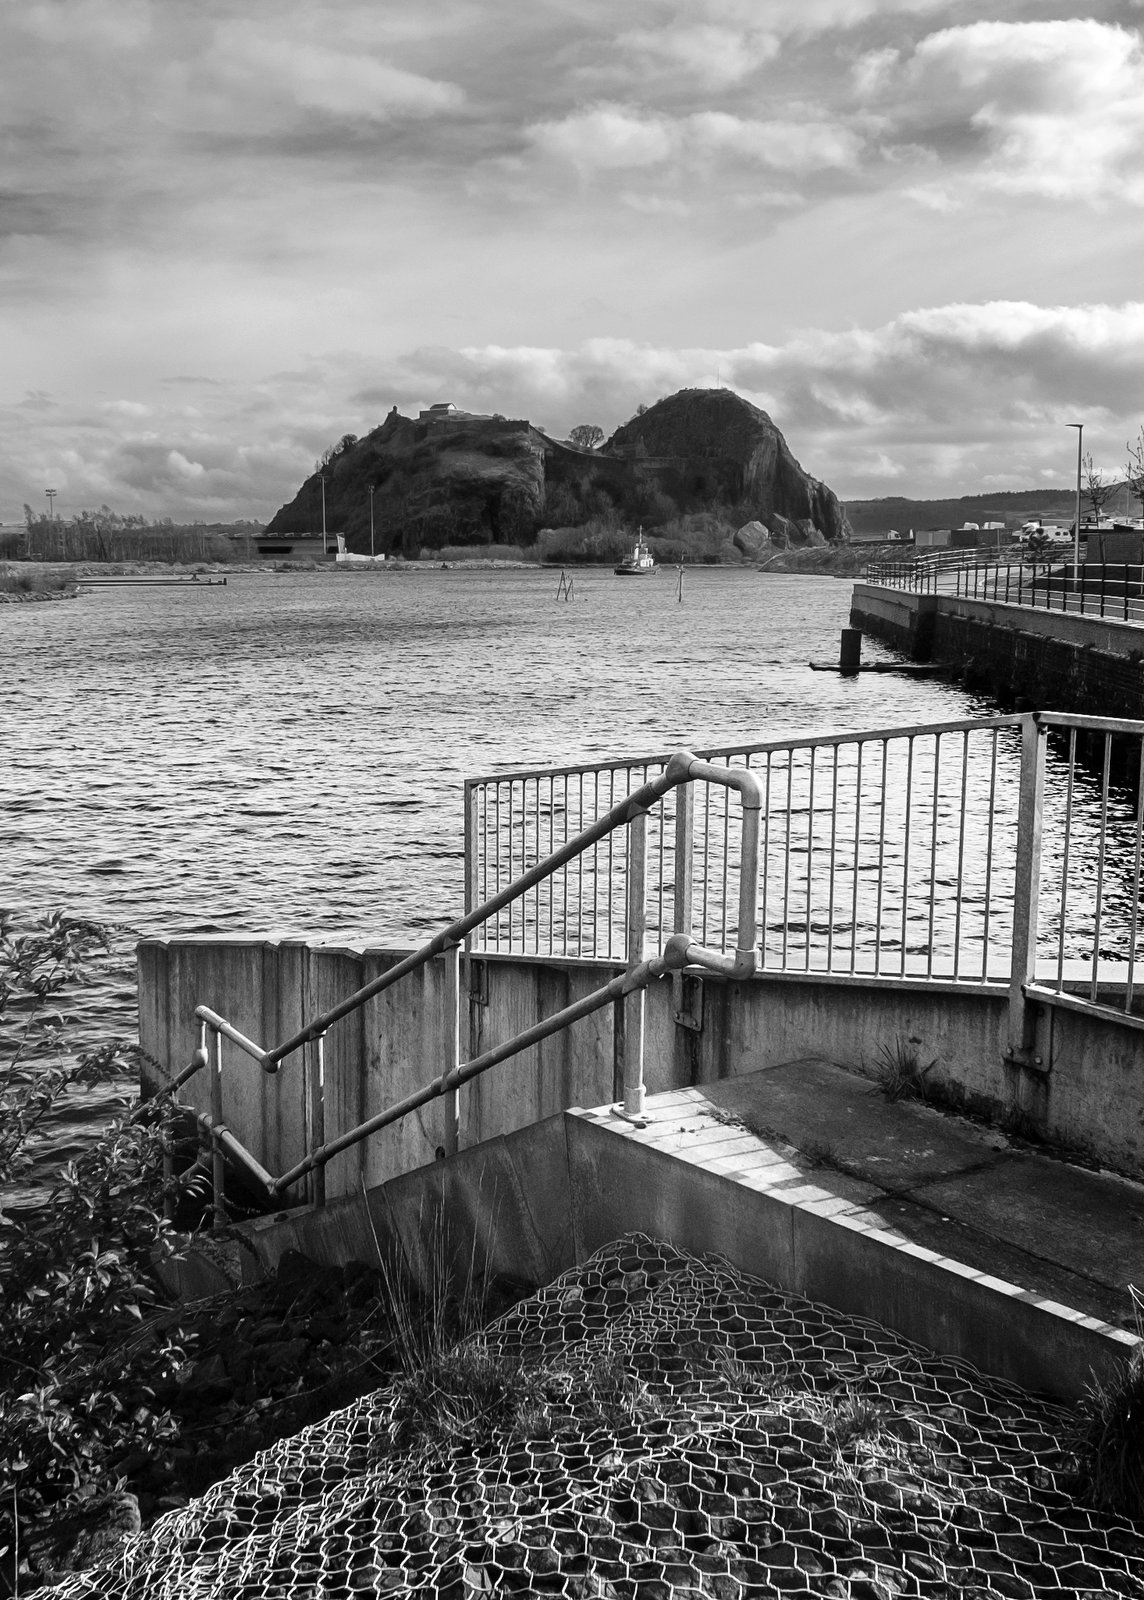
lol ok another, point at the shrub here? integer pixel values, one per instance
(83, 1344)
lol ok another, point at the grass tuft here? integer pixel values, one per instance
(1108, 1441)
(900, 1073)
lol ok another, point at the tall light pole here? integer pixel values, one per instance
(1079, 426)
(322, 481)
(371, 489)
(51, 494)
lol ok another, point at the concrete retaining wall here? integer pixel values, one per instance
(524, 1208)
(1091, 1097)
(1043, 660)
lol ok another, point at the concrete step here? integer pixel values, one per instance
(940, 1228)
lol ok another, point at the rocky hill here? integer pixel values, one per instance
(450, 478)
(706, 445)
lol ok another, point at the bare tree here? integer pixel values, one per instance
(586, 435)
(1134, 467)
(1098, 490)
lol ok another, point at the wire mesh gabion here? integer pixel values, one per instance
(690, 1432)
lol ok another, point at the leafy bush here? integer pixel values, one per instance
(83, 1342)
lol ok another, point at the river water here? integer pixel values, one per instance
(285, 754)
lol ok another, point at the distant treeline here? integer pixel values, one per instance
(45, 540)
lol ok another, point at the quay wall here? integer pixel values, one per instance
(1088, 1093)
(1020, 655)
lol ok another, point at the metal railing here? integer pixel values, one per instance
(889, 851)
(1111, 590)
(1003, 853)
(967, 851)
(631, 812)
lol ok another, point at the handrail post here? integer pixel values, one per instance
(218, 1165)
(1026, 894)
(633, 1004)
(316, 1112)
(684, 853)
(452, 1058)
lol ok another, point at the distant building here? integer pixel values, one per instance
(446, 411)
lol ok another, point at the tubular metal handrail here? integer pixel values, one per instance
(679, 952)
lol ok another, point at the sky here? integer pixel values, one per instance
(235, 230)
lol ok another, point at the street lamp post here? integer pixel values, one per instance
(322, 481)
(51, 494)
(371, 489)
(1079, 426)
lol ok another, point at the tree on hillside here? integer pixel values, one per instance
(1098, 491)
(586, 435)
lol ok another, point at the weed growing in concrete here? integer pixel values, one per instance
(1109, 1438)
(900, 1073)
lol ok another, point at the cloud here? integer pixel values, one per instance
(344, 84)
(1052, 108)
(716, 56)
(612, 136)
(947, 394)
(932, 401)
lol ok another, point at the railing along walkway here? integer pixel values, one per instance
(1002, 854)
(1114, 591)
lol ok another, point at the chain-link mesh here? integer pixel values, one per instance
(682, 1430)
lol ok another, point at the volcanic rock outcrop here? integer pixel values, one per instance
(454, 478)
(711, 445)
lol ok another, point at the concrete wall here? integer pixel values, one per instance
(515, 1212)
(1042, 660)
(269, 989)
(1090, 1094)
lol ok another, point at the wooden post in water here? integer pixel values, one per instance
(850, 650)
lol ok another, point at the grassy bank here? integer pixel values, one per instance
(33, 582)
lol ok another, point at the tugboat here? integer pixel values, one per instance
(640, 564)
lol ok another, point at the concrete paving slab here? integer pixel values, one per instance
(946, 1184)
(838, 1117)
(1086, 1227)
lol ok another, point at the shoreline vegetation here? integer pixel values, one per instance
(36, 581)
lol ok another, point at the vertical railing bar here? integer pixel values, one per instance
(881, 862)
(1065, 862)
(541, 886)
(580, 876)
(786, 855)
(833, 860)
(683, 888)
(511, 859)
(552, 845)
(595, 919)
(989, 859)
(661, 823)
(497, 828)
(960, 887)
(933, 849)
(218, 1164)
(1093, 986)
(452, 1097)
(857, 853)
(1027, 890)
(906, 848)
(706, 857)
(766, 871)
(809, 853)
(1135, 886)
(726, 799)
